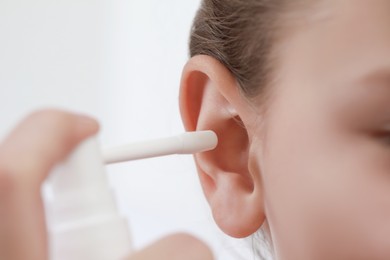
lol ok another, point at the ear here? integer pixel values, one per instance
(210, 100)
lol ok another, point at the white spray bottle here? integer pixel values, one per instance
(82, 216)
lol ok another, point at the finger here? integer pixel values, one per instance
(175, 247)
(26, 156)
(40, 141)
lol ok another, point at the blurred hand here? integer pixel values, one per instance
(27, 155)
(175, 247)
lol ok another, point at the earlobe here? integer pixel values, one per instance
(210, 100)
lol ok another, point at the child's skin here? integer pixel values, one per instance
(314, 169)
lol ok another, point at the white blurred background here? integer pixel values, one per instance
(119, 61)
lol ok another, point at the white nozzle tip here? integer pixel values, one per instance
(201, 141)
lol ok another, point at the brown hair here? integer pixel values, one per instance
(240, 34)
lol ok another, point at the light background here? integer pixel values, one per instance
(121, 62)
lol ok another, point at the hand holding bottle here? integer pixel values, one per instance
(27, 156)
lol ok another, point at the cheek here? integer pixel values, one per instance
(327, 191)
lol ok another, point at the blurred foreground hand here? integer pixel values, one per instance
(175, 247)
(27, 155)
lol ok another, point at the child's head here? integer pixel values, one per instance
(299, 95)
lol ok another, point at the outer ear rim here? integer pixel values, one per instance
(183, 97)
(211, 68)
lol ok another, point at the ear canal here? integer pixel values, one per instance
(231, 154)
(227, 182)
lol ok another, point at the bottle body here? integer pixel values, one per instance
(82, 216)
